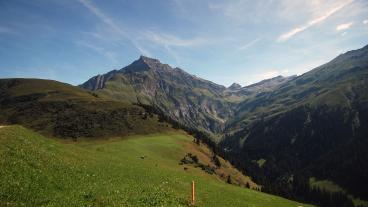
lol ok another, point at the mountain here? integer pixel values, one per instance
(185, 98)
(303, 126)
(312, 126)
(192, 101)
(301, 137)
(62, 110)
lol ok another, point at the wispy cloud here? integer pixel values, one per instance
(173, 41)
(114, 33)
(102, 16)
(345, 26)
(142, 49)
(249, 44)
(365, 21)
(312, 22)
(167, 41)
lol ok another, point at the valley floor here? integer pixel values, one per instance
(129, 171)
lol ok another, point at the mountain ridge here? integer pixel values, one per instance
(184, 96)
(188, 99)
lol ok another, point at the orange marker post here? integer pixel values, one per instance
(193, 194)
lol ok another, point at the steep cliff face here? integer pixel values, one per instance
(188, 99)
(98, 81)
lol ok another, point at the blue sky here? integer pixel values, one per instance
(224, 41)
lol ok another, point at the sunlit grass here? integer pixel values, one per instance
(39, 171)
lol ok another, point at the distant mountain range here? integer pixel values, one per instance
(190, 100)
(285, 131)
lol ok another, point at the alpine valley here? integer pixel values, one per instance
(304, 138)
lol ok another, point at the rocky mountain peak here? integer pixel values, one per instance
(148, 60)
(235, 86)
(144, 64)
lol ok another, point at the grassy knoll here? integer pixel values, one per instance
(129, 171)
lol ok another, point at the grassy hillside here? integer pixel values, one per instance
(62, 110)
(129, 171)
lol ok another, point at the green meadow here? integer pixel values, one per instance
(121, 171)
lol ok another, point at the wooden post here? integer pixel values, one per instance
(193, 194)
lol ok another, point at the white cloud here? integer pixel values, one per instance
(273, 12)
(365, 21)
(102, 16)
(171, 40)
(111, 33)
(291, 33)
(345, 26)
(117, 34)
(144, 51)
(249, 44)
(314, 21)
